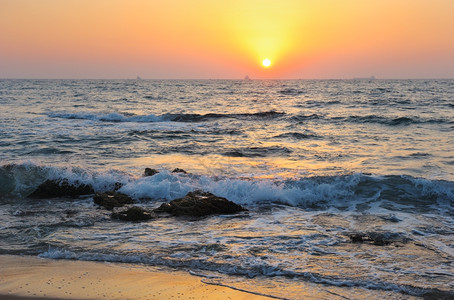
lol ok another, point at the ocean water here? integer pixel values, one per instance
(314, 162)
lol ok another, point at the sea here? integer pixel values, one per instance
(349, 184)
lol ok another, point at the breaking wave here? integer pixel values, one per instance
(322, 192)
(126, 117)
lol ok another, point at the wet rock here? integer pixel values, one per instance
(21, 213)
(70, 213)
(377, 238)
(392, 219)
(198, 204)
(436, 294)
(150, 172)
(380, 239)
(117, 186)
(133, 213)
(61, 188)
(356, 238)
(178, 170)
(109, 200)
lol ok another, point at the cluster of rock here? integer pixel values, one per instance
(377, 238)
(133, 213)
(61, 188)
(151, 172)
(112, 199)
(194, 204)
(199, 204)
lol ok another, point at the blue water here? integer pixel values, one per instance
(313, 161)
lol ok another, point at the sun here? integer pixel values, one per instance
(266, 62)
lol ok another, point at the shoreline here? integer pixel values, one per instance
(28, 277)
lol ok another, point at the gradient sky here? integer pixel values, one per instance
(226, 38)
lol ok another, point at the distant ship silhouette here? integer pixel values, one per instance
(247, 77)
(138, 78)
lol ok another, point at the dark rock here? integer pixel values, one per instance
(133, 213)
(436, 294)
(178, 170)
(61, 188)
(377, 238)
(356, 238)
(198, 204)
(392, 219)
(70, 213)
(117, 186)
(150, 172)
(22, 213)
(380, 239)
(109, 200)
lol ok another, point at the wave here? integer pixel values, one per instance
(258, 152)
(126, 117)
(393, 192)
(110, 117)
(383, 120)
(297, 135)
(195, 118)
(302, 118)
(292, 92)
(49, 150)
(248, 270)
(20, 180)
(390, 121)
(214, 116)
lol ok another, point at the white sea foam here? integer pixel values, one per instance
(306, 192)
(256, 268)
(323, 192)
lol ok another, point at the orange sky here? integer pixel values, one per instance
(226, 38)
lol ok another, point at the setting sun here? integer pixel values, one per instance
(266, 62)
(226, 39)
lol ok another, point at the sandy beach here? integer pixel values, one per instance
(30, 277)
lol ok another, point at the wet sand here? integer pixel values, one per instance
(23, 277)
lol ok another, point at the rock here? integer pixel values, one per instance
(381, 239)
(150, 172)
(178, 170)
(198, 204)
(377, 238)
(70, 213)
(117, 186)
(61, 188)
(133, 213)
(109, 200)
(356, 238)
(437, 294)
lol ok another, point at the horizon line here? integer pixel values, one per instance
(241, 79)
